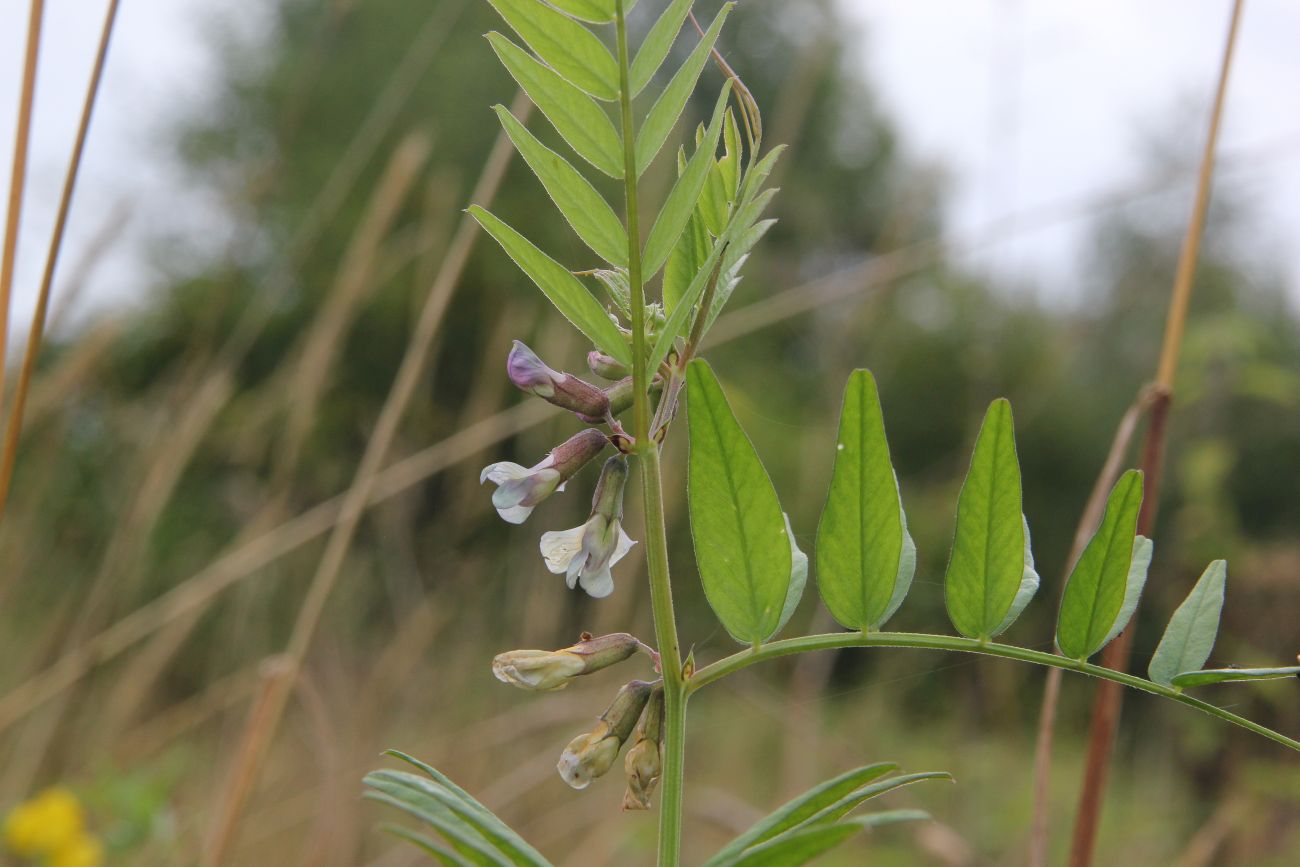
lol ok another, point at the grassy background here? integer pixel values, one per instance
(176, 457)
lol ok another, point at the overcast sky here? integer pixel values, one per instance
(1023, 104)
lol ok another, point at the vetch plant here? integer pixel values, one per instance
(753, 573)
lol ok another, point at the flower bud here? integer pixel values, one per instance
(605, 366)
(549, 670)
(607, 500)
(644, 761)
(574, 453)
(620, 396)
(529, 373)
(592, 754)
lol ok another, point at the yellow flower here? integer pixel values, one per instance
(82, 851)
(45, 824)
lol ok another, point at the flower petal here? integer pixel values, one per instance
(625, 543)
(575, 569)
(598, 585)
(502, 472)
(515, 514)
(559, 547)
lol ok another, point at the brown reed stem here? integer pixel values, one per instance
(1108, 700)
(262, 727)
(18, 176)
(14, 427)
(1088, 522)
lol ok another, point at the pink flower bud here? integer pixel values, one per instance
(530, 374)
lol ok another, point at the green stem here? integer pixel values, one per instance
(661, 594)
(636, 287)
(837, 640)
(670, 658)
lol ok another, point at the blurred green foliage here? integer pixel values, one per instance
(941, 339)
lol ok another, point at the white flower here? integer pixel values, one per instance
(584, 555)
(520, 489)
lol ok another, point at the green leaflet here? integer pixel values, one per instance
(564, 290)
(741, 547)
(746, 231)
(675, 325)
(796, 841)
(463, 838)
(440, 853)
(582, 207)
(714, 202)
(685, 261)
(1190, 635)
(798, 578)
(576, 117)
(865, 559)
(658, 42)
(990, 575)
(798, 847)
(1231, 675)
(1137, 579)
(564, 45)
(733, 150)
(594, 11)
(684, 196)
(1097, 587)
(736, 240)
(663, 115)
(506, 841)
(850, 802)
(801, 809)
(616, 286)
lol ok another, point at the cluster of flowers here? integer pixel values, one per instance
(593, 753)
(584, 554)
(51, 827)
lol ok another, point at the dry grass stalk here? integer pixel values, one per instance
(18, 176)
(1108, 698)
(13, 430)
(324, 340)
(162, 473)
(1088, 522)
(357, 498)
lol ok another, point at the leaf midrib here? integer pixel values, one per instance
(1088, 639)
(725, 453)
